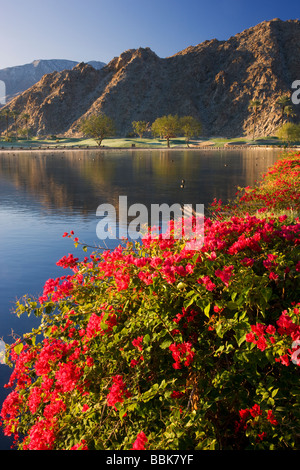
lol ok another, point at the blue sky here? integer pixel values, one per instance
(102, 29)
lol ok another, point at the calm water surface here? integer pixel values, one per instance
(43, 195)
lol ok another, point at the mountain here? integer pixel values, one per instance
(213, 81)
(20, 78)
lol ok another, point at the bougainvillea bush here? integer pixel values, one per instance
(155, 346)
(278, 189)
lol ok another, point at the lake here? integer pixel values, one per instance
(46, 193)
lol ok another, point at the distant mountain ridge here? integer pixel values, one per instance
(213, 81)
(21, 77)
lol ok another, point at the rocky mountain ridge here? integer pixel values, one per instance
(213, 81)
(21, 77)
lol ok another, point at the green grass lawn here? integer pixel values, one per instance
(270, 140)
(75, 142)
(137, 142)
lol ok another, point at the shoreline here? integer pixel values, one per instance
(134, 149)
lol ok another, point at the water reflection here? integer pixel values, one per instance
(71, 182)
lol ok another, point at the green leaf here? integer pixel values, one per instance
(232, 305)
(48, 331)
(241, 339)
(269, 355)
(219, 330)
(189, 302)
(165, 344)
(122, 413)
(163, 384)
(189, 294)
(147, 339)
(18, 348)
(271, 401)
(266, 293)
(206, 310)
(220, 349)
(233, 296)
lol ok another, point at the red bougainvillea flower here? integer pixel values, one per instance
(117, 392)
(244, 414)
(82, 445)
(94, 320)
(225, 274)
(255, 410)
(137, 343)
(284, 360)
(182, 354)
(206, 281)
(42, 435)
(271, 418)
(261, 436)
(176, 394)
(139, 443)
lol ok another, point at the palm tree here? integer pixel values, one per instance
(15, 114)
(283, 102)
(6, 113)
(25, 117)
(254, 105)
(289, 111)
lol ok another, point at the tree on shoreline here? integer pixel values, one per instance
(284, 101)
(166, 127)
(140, 127)
(289, 133)
(15, 114)
(6, 113)
(190, 127)
(98, 127)
(25, 117)
(290, 113)
(254, 105)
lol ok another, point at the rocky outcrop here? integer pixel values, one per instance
(213, 81)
